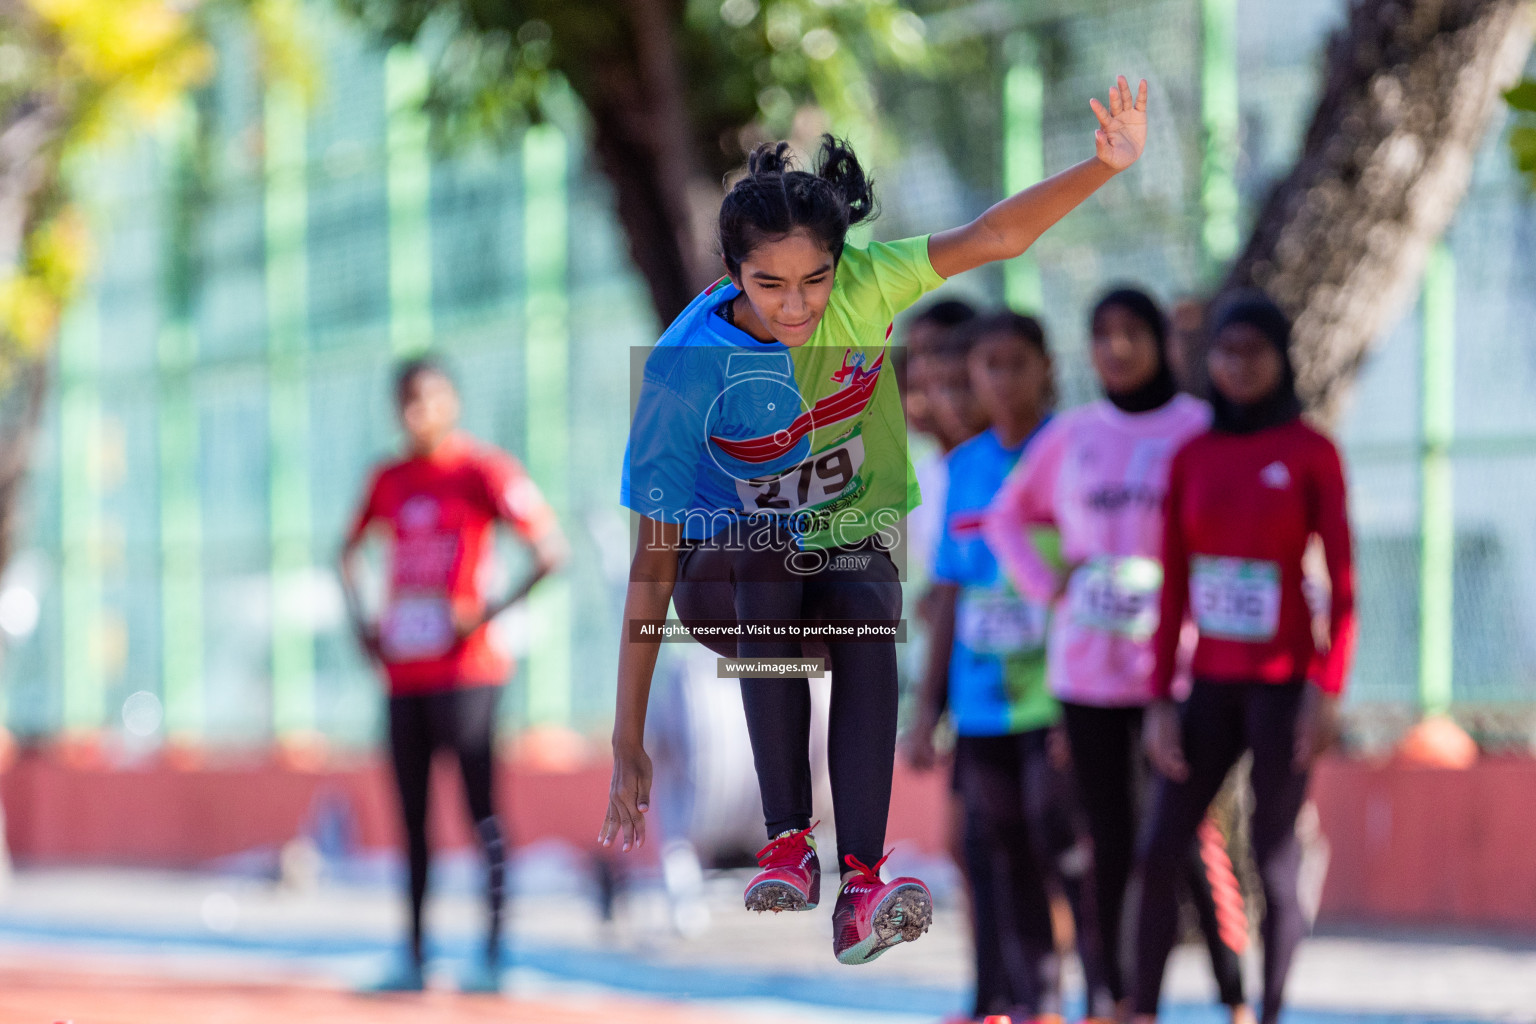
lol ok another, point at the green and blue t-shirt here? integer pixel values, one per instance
(728, 426)
(997, 667)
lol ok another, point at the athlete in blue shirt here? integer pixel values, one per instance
(1021, 837)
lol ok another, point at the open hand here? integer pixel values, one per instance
(629, 797)
(1122, 132)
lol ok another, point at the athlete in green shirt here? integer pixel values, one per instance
(767, 463)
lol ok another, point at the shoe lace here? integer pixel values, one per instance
(784, 850)
(871, 873)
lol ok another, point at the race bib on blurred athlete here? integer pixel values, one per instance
(999, 622)
(1235, 598)
(1117, 595)
(417, 627)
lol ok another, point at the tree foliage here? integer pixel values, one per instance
(675, 90)
(1522, 137)
(71, 73)
(69, 69)
(741, 62)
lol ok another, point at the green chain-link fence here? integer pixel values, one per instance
(223, 386)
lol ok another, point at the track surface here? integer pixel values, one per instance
(119, 947)
(89, 998)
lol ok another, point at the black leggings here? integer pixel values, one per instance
(1221, 721)
(1112, 778)
(463, 721)
(732, 577)
(1020, 841)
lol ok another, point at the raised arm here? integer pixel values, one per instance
(1011, 226)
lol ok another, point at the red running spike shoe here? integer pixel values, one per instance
(872, 916)
(790, 878)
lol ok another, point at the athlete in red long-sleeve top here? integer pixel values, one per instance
(1243, 501)
(1238, 513)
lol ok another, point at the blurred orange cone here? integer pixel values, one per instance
(1438, 742)
(551, 748)
(81, 750)
(303, 751)
(184, 755)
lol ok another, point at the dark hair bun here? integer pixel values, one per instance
(837, 165)
(775, 198)
(770, 158)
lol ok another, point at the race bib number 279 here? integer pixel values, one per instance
(819, 479)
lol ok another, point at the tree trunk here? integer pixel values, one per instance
(20, 415)
(28, 169)
(1343, 238)
(31, 126)
(29, 173)
(640, 118)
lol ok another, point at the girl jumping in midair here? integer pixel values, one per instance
(733, 539)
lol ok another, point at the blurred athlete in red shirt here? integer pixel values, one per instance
(1243, 500)
(438, 507)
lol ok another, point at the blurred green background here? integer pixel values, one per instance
(263, 255)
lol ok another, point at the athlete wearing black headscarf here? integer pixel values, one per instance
(1281, 405)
